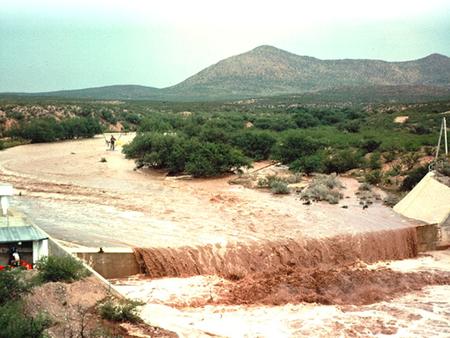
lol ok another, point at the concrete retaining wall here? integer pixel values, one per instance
(427, 237)
(444, 233)
(111, 263)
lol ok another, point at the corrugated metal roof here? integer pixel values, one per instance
(21, 233)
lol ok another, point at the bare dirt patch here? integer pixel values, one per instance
(72, 310)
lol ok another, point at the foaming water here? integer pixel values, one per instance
(237, 260)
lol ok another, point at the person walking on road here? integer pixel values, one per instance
(112, 142)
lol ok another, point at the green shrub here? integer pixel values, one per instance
(351, 126)
(255, 144)
(389, 156)
(155, 123)
(279, 188)
(375, 161)
(133, 118)
(342, 161)
(178, 154)
(119, 311)
(414, 177)
(49, 129)
(309, 164)
(13, 285)
(306, 120)
(323, 188)
(61, 268)
(294, 145)
(212, 159)
(370, 145)
(263, 182)
(276, 123)
(373, 177)
(14, 323)
(394, 171)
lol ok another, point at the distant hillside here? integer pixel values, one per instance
(270, 71)
(366, 94)
(266, 71)
(117, 92)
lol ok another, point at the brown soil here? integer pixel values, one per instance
(72, 310)
(348, 285)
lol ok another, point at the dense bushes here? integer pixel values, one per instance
(210, 159)
(49, 129)
(294, 145)
(307, 140)
(178, 154)
(342, 161)
(12, 285)
(64, 268)
(208, 138)
(255, 144)
(14, 323)
(309, 164)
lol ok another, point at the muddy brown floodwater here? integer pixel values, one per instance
(220, 233)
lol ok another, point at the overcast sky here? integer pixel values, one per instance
(52, 45)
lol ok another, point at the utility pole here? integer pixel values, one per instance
(443, 131)
(444, 125)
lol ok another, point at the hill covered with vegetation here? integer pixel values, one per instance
(267, 71)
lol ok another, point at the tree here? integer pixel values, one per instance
(370, 145)
(254, 143)
(294, 145)
(211, 159)
(342, 161)
(306, 120)
(309, 164)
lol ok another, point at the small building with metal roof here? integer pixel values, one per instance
(16, 232)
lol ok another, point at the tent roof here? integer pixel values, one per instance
(429, 201)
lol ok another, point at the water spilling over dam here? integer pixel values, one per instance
(242, 259)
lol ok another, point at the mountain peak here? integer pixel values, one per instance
(264, 48)
(436, 56)
(267, 49)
